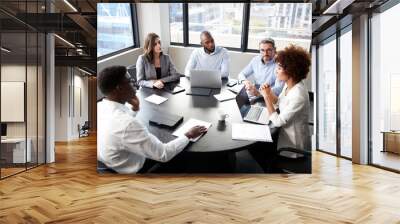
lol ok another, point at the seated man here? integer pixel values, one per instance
(209, 57)
(262, 67)
(123, 143)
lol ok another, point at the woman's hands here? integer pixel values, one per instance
(158, 84)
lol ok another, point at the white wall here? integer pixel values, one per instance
(69, 82)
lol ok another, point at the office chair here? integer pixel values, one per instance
(84, 130)
(291, 160)
(132, 71)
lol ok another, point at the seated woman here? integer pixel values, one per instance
(293, 64)
(154, 68)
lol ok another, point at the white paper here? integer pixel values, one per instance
(188, 125)
(251, 132)
(155, 99)
(225, 95)
(236, 88)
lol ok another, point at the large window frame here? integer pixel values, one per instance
(244, 36)
(135, 33)
(337, 38)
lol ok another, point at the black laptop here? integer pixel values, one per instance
(195, 91)
(165, 119)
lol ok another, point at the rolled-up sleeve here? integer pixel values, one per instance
(288, 113)
(248, 70)
(225, 64)
(138, 140)
(141, 73)
(191, 64)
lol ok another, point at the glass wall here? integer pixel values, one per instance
(22, 93)
(346, 92)
(326, 96)
(385, 89)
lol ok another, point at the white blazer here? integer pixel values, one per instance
(293, 118)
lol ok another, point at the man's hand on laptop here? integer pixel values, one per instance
(158, 84)
(195, 131)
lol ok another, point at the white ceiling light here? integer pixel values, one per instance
(337, 7)
(70, 5)
(65, 41)
(5, 50)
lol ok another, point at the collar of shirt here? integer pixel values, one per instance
(272, 61)
(127, 108)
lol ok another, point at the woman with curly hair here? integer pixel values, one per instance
(293, 64)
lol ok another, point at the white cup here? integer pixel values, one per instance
(222, 115)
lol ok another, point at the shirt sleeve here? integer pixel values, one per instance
(296, 103)
(138, 140)
(248, 70)
(278, 86)
(191, 64)
(225, 65)
(141, 75)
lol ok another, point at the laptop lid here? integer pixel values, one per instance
(243, 102)
(165, 119)
(205, 78)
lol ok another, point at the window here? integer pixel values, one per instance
(327, 96)
(176, 22)
(268, 20)
(385, 87)
(114, 27)
(241, 25)
(223, 20)
(346, 94)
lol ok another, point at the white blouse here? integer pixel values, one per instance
(123, 143)
(293, 118)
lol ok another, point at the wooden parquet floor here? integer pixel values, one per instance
(71, 191)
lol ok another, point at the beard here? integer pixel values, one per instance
(209, 51)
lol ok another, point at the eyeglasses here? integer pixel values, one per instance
(268, 50)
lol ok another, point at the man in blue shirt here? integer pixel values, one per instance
(262, 68)
(208, 57)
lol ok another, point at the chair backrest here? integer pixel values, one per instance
(132, 71)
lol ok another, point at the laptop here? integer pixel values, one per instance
(165, 119)
(251, 113)
(210, 79)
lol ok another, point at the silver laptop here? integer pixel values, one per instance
(251, 113)
(205, 79)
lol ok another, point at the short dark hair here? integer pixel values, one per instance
(110, 77)
(268, 41)
(205, 33)
(295, 61)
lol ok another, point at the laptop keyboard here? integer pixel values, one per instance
(254, 113)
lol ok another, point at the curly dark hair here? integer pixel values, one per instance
(295, 61)
(110, 77)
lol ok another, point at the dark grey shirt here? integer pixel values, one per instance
(146, 71)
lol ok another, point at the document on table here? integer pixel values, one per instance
(155, 99)
(236, 88)
(251, 132)
(225, 95)
(188, 125)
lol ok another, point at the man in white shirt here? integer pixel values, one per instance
(262, 69)
(123, 143)
(209, 57)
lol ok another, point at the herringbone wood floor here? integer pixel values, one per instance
(70, 191)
